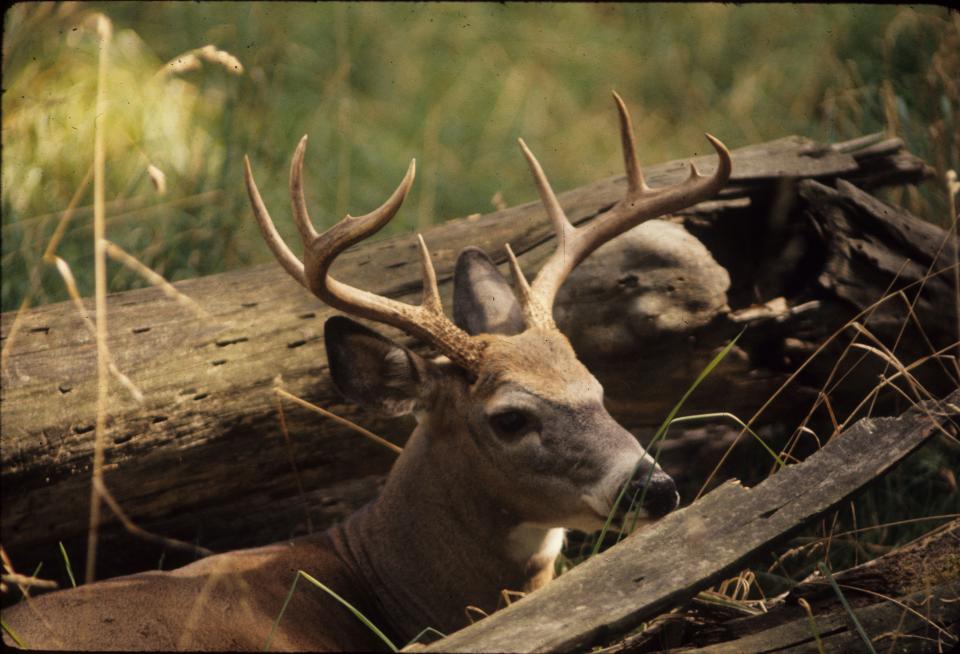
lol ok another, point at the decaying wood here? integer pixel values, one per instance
(203, 459)
(922, 574)
(909, 623)
(669, 562)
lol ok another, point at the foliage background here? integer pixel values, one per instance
(451, 84)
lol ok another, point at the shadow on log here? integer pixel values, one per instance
(202, 458)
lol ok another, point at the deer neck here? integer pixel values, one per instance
(433, 543)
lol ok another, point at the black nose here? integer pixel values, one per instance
(660, 497)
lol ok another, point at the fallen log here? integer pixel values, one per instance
(910, 623)
(202, 458)
(919, 575)
(667, 563)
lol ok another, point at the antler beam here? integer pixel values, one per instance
(425, 321)
(640, 204)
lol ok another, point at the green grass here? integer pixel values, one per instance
(356, 612)
(825, 571)
(451, 84)
(657, 440)
(66, 565)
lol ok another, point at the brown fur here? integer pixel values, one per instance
(437, 539)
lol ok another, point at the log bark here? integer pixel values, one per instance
(203, 459)
(689, 550)
(910, 623)
(919, 575)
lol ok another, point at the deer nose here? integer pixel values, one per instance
(660, 497)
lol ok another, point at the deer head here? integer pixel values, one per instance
(508, 406)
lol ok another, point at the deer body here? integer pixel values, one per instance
(513, 445)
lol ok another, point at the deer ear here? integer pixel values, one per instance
(483, 302)
(372, 370)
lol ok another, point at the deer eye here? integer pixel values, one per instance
(511, 423)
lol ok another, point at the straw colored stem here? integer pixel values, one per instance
(104, 29)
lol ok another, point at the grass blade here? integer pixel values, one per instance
(13, 635)
(66, 563)
(658, 436)
(813, 624)
(426, 630)
(360, 616)
(846, 605)
(723, 414)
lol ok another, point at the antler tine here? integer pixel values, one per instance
(431, 292)
(425, 321)
(635, 182)
(300, 215)
(640, 204)
(561, 224)
(287, 259)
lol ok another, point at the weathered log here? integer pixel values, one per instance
(670, 561)
(909, 623)
(203, 458)
(913, 574)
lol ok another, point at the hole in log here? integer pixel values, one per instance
(629, 281)
(398, 264)
(157, 419)
(140, 330)
(767, 514)
(82, 429)
(200, 396)
(230, 341)
(39, 330)
(122, 438)
(65, 388)
(637, 580)
(248, 305)
(293, 344)
(218, 362)
(307, 316)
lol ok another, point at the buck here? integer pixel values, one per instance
(512, 446)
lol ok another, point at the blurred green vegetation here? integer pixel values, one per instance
(451, 84)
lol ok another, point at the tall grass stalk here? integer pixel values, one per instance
(64, 269)
(104, 30)
(366, 433)
(49, 252)
(917, 284)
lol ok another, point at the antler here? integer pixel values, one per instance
(641, 203)
(426, 321)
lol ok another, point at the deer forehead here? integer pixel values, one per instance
(543, 363)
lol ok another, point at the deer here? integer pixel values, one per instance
(513, 446)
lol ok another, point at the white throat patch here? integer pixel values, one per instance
(528, 540)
